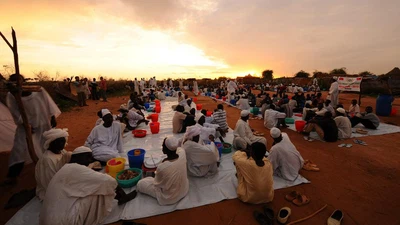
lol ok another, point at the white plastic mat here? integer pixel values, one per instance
(202, 191)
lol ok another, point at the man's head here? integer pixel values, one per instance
(15, 77)
(276, 134)
(369, 109)
(180, 108)
(101, 78)
(258, 151)
(94, 79)
(192, 133)
(55, 139)
(320, 106)
(107, 117)
(319, 94)
(76, 78)
(192, 112)
(82, 156)
(272, 106)
(220, 106)
(170, 145)
(202, 120)
(244, 115)
(189, 102)
(340, 112)
(354, 102)
(327, 102)
(204, 112)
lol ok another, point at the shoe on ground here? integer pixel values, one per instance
(261, 218)
(284, 215)
(336, 218)
(269, 213)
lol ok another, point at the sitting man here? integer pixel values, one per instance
(369, 119)
(325, 127)
(328, 106)
(354, 108)
(208, 129)
(171, 183)
(220, 118)
(285, 158)
(181, 120)
(52, 159)
(343, 124)
(79, 195)
(201, 158)
(254, 173)
(132, 118)
(273, 118)
(243, 134)
(105, 140)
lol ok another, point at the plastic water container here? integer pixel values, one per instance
(194, 100)
(157, 109)
(146, 105)
(136, 161)
(209, 113)
(115, 165)
(166, 94)
(384, 105)
(224, 98)
(217, 96)
(155, 127)
(233, 102)
(394, 112)
(199, 106)
(300, 124)
(220, 147)
(154, 117)
(255, 110)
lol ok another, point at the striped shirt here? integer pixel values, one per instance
(220, 119)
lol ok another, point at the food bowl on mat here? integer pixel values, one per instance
(139, 133)
(226, 148)
(130, 182)
(115, 165)
(289, 120)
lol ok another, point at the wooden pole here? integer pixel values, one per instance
(18, 96)
(359, 97)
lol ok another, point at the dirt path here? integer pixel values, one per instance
(362, 181)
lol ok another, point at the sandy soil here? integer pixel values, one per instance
(362, 181)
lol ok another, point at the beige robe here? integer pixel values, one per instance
(47, 167)
(77, 195)
(255, 184)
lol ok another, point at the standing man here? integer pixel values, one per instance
(136, 88)
(103, 89)
(334, 92)
(94, 86)
(80, 90)
(231, 87)
(195, 88)
(42, 113)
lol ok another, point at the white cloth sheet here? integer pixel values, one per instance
(202, 191)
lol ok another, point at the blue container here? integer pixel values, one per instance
(233, 102)
(166, 94)
(384, 105)
(146, 105)
(136, 161)
(220, 146)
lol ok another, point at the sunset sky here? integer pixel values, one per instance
(201, 38)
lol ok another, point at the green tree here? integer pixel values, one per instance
(317, 73)
(339, 71)
(302, 73)
(366, 73)
(268, 74)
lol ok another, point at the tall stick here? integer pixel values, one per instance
(18, 96)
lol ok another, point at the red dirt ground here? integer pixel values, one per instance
(363, 181)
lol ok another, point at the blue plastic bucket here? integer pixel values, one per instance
(136, 161)
(146, 105)
(384, 105)
(233, 102)
(220, 146)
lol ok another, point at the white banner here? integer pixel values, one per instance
(349, 83)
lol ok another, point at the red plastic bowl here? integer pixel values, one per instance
(139, 133)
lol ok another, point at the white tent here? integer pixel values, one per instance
(7, 129)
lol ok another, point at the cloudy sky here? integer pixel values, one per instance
(201, 38)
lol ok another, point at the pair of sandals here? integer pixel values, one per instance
(256, 133)
(267, 218)
(310, 166)
(297, 198)
(360, 142)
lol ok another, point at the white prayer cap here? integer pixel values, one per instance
(52, 135)
(244, 113)
(82, 149)
(341, 110)
(105, 112)
(275, 132)
(335, 77)
(309, 102)
(192, 131)
(172, 143)
(123, 107)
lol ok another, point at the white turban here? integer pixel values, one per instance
(172, 143)
(244, 113)
(341, 110)
(191, 132)
(52, 135)
(105, 112)
(275, 132)
(82, 149)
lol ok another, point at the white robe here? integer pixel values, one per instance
(231, 87)
(195, 88)
(47, 166)
(201, 159)
(243, 104)
(171, 183)
(134, 117)
(344, 127)
(39, 108)
(285, 159)
(8, 127)
(271, 118)
(334, 94)
(105, 142)
(181, 84)
(137, 87)
(244, 136)
(208, 129)
(78, 195)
